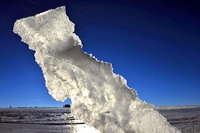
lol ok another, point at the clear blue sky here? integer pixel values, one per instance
(154, 45)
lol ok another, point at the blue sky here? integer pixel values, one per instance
(154, 45)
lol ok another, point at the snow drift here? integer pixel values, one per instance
(100, 98)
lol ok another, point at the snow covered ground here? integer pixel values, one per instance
(59, 120)
(40, 120)
(186, 118)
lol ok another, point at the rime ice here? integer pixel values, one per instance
(100, 98)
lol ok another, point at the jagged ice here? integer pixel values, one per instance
(99, 97)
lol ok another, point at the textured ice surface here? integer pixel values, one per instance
(99, 97)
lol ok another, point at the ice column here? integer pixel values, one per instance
(100, 97)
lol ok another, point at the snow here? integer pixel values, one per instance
(177, 107)
(99, 97)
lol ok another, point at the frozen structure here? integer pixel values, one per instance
(100, 98)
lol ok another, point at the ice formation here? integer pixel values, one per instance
(99, 97)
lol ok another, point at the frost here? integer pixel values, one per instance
(100, 98)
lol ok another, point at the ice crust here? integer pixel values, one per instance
(99, 97)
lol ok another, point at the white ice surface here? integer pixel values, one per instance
(99, 97)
